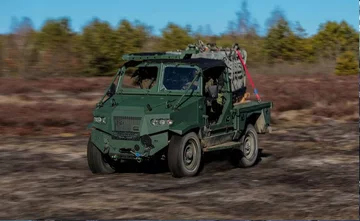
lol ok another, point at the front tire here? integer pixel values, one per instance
(184, 155)
(97, 161)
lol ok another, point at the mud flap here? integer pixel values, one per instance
(260, 125)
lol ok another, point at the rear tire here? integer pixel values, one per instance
(248, 154)
(97, 161)
(184, 155)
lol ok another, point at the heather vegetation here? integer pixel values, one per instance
(56, 50)
(309, 163)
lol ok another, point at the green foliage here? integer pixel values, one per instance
(103, 46)
(306, 50)
(174, 37)
(283, 44)
(280, 43)
(55, 45)
(97, 50)
(276, 15)
(347, 64)
(131, 38)
(333, 39)
(97, 41)
(54, 34)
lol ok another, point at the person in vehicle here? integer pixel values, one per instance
(188, 79)
(145, 77)
(214, 104)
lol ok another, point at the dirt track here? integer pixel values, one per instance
(305, 173)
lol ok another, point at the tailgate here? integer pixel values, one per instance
(256, 112)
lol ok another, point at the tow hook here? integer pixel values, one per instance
(137, 156)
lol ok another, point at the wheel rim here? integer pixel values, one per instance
(249, 146)
(190, 155)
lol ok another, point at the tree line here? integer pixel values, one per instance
(56, 50)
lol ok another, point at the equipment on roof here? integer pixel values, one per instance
(204, 55)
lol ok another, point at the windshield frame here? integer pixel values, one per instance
(155, 90)
(122, 90)
(180, 92)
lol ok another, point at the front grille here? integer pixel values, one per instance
(126, 135)
(127, 128)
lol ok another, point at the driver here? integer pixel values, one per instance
(190, 77)
(215, 105)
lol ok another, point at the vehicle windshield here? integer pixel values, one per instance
(140, 77)
(179, 78)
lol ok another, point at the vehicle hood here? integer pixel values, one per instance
(139, 102)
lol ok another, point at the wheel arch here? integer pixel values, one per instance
(257, 119)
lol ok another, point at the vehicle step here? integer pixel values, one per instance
(223, 146)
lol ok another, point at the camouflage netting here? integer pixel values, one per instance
(229, 56)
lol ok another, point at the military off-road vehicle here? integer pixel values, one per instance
(176, 106)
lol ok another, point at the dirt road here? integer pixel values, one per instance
(305, 173)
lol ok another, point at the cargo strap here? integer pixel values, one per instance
(248, 75)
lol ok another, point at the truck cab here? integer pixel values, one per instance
(175, 106)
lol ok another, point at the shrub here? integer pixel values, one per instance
(346, 64)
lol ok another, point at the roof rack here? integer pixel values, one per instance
(185, 54)
(198, 50)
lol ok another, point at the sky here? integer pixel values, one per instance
(157, 13)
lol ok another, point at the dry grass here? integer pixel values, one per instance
(64, 105)
(337, 96)
(44, 119)
(69, 85)
(298, 69)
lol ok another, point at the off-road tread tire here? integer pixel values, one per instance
(96, 162)
(243, 162)
(175, 151)
(237, 158)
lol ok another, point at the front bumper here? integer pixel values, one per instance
(147, 146)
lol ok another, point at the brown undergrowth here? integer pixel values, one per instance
(64, 105)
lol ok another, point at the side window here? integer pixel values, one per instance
(179, 78)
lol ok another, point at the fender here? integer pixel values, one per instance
(183, 128)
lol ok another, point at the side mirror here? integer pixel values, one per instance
(213, 91)
(111, 90)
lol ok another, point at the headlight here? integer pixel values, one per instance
(97, 119)
(100, 120)
(154, 122)
(161, 122)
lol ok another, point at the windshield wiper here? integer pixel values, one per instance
(192, 82)
(167, 103)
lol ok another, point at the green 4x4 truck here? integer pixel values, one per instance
(176, 106)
